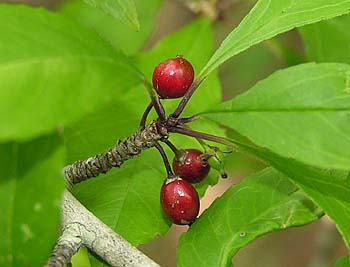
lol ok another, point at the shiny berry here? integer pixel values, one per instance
(179, 201)
(173, 77)
(191, 165)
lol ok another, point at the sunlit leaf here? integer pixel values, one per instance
(55, 76)
(269, 18)
(302, 112)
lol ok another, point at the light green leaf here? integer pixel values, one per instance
(114, 31)
(127, 199)
(81, 258)
(261, 203)
(55, 76)
(329, 189)
(123, 10)
(328, 41)
(269, 18)
(342, 262)
(31, 185)
(301, 112)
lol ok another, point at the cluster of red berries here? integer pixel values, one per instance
(180, 202)
(178, 197)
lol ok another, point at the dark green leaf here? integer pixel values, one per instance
(112, 30)
(31, 184)
(269, 18)
(301, 112)
(328, 41)
(123, 10)
(261, 203)
(53, 71)
(329, 189)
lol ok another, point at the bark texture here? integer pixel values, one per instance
(124, 149)
(81, 228)
(67, 245)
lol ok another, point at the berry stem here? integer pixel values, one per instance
(189, 119)
(165, 160)
(200, 135)
(171, 146)
(145, 115)
(186, 98)
(155, 100)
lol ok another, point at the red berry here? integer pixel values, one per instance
(173, 77)
(191, 165)
(179, 201)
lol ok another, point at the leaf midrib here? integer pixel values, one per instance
(35, 60)
(272, 110)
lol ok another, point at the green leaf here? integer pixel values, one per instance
(302, 112)
(329, 189)
(112, 30)
(127, 199)
(55, 76)
(269, 18)
(261, 203)
(81, 258)
(31, 185)
(123, 10)
(342, 262)
(328, 41)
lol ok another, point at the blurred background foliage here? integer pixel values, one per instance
(315, 245)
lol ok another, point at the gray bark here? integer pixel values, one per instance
(81, 228)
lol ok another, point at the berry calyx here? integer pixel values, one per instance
(179, 201)
(216, 160)
(191, 165)
(173, 77)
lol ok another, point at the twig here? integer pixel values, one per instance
(188, 120)
(67, 245)
(200, 135)
(125, 149)
(80, 224)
